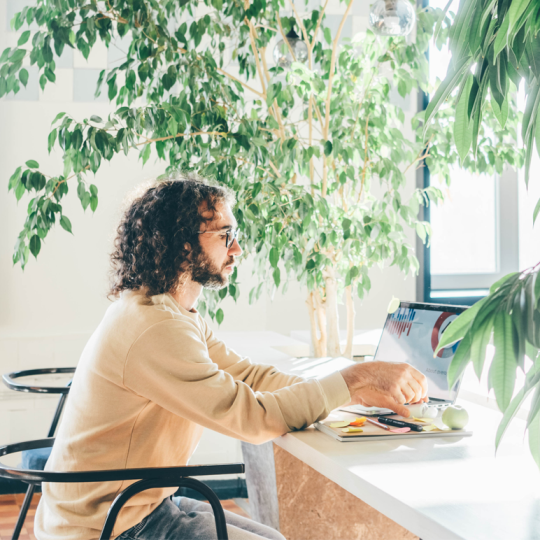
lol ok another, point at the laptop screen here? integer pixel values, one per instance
(411, 334)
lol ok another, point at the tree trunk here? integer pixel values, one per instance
(324, 319)
(318, 330)
(332, 314)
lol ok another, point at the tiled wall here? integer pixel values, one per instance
(28, 416)
(77, 77)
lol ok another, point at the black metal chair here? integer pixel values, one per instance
(148, 478)
(37, 458)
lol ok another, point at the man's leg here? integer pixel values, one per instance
(187, 519)
(237, 525)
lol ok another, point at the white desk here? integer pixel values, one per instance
(439, 489)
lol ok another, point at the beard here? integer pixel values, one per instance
(207, 273)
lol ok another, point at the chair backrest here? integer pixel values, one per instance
(10, 380)
(148, 478)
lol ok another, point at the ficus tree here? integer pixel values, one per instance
(495, 48)
(317, 152)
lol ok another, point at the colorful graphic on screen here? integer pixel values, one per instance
(412, 335)
(441, 325)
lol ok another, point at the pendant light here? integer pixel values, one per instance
(282, 53)
(392, 17)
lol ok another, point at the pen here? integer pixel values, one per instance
(375, 423)
(399, 423)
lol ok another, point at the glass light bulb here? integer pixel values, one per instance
(282, 54)
(392, 17)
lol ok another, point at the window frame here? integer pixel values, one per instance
(466, 289)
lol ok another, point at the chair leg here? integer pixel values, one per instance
(143, 485)
(24, 510)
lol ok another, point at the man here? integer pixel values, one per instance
(153, 375)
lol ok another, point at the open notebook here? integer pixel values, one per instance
(371, 432)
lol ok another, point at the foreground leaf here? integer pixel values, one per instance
(503, 368)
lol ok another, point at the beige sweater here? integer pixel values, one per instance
(151, 377)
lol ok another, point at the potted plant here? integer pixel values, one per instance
(501, 40)
(310, 142)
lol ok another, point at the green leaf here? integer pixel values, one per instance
(19, 191)
(516, 9)
(23, 76)
(274, 257)
(534, 439)
(17, 55)
(533, 377)
(328, 36)
(5, 54)
(457, 329)
(57, 117)
(35, 245)
(327, 148)
(93, 203)
(462, 125)
(536, 211)
(497, 285)
(32, 164)
(441, 19)
(501, 113)
(451, 80)
(219, 316)
(173, 126)
(460, 360)
(95, 118)
(146, 153)
(15, 177)
(535, 405)
(66, 224)
(24, 37)
(503, 368)
(502, 37)
(480, 341)
(51, 139)
(537, 133)
(277, 276)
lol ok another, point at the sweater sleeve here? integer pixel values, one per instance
(170, 365)
(260, 377)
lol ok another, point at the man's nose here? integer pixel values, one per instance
(235, 248)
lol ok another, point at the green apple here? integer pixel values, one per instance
(455, 417)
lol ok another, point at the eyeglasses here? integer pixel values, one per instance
(230, 235)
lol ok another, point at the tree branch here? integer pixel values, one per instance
(256, 54)
(313, 43)
(277, 111)
(332, 68)
(241, 82)
(365, 162)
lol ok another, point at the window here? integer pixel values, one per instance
(478, 233)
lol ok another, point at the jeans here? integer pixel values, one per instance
(188, 519)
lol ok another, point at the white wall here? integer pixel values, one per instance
(48, 311)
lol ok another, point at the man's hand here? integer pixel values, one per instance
(385, 384)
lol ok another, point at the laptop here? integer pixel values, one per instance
(411, 334)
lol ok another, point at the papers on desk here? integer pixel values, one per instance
(336, 424)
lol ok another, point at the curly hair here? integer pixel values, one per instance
(158, 234)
